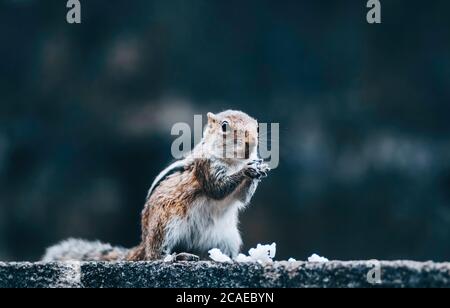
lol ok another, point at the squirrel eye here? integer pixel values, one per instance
(225, 126)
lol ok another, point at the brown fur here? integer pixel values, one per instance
(171, 198)
(177, 193)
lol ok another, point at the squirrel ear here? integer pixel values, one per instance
(211, 117)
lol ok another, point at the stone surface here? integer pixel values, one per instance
(211, 274)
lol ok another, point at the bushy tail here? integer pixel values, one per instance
(80, 250)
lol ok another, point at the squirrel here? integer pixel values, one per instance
(192, 206)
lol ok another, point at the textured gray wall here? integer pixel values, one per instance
(334, 274)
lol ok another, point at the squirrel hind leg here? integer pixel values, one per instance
(136, 254)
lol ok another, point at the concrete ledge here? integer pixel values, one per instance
(210, 274)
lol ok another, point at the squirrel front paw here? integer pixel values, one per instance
(257, 169)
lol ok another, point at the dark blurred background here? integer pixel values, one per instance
(364, 112)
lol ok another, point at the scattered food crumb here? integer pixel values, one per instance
(263, 253)
(218, 256)
(243, 258)
(169, 258)
(317, 259)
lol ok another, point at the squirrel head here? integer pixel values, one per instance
(231, 135)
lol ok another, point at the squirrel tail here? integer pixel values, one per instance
(81, 250)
